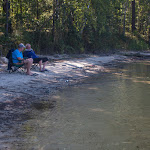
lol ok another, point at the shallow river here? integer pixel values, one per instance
(109, 112)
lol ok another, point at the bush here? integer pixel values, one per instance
(72, 43)
(137, 45)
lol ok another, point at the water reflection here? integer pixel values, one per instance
(111, 112)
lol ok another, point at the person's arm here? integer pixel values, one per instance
(33, 54)
(19, 58)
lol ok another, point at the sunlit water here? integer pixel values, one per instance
(110, 112)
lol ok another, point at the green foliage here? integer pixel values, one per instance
(76, 26)
(137, 45)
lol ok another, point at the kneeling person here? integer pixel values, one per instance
(19, 61)
(29, 53)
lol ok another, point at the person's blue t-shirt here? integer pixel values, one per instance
(29, 53)
(15, 56)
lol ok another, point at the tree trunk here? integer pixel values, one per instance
(37, 9)
(17, 13)
(149, 36)
(21, 19)
(124, 20)
(7, 15)
(54, 17)
(133, 16)
(149, 28)
(6, 7)
(12, 6)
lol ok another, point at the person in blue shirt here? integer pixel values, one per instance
(29, 53)
(18, 60)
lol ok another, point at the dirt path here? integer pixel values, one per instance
(19, 92)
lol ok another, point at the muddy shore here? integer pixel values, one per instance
(20, 93)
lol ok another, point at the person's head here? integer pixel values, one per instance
(28, 46)
(21, 47)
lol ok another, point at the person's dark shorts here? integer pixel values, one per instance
(37, 60)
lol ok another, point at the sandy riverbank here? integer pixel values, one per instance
(61, 73)
(19, 92)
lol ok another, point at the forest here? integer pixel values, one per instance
(75, 26)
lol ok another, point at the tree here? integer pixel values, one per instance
(6, 9)
(133, 16)
(75, 25)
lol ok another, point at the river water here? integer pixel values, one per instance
(109, 112)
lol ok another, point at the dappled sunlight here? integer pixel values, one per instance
(93, 72)
(77, 64)
(56, 97)
(137, 81)
(137, 72)
(100, 110)
(93, 88)
(127, 142)
(134, 79)
(120, 74)
(61, 71)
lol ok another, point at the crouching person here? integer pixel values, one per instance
(19, 61)
(29, 53)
